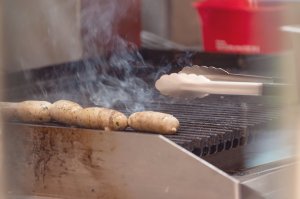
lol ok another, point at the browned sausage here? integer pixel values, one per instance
(102, 118)
(154, 122)
(34, 111)
(8, 110)
(65, 111)
(27, 111)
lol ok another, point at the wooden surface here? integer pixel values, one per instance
(76, 163)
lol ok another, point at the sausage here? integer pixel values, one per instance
(154, 122)
(27, 111)
(65, 111)
(102, 118)
(8, 110)
(34, 111)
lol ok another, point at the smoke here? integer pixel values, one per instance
(118, 81)
(114, 70)
(100, 21)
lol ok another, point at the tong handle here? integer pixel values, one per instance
(253, 78)
(245, 88)
(273, 89)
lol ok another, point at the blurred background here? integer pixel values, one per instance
(64, 29)
(91, 51)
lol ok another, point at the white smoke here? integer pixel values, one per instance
(110, 62)
(117, 81)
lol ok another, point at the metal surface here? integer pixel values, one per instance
(57, 162)
(76, 163)
(218, 123)
(219, 74)
(270, 185)
(192, 86)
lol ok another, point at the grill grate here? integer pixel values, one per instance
(218, 123)
(214, 123)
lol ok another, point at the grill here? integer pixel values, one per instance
(218, 123)
(215, 123)
(219, 129)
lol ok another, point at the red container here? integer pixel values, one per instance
(241, 26)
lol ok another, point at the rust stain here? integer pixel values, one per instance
(65, 162)
(42, 152)
(88, 160)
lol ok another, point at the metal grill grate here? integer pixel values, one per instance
(218, 123)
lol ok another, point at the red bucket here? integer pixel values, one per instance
(241, 26)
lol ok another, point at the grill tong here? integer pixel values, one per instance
(201, 81)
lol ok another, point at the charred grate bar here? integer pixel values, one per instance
(218, 123)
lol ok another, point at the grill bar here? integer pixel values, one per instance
(218, 123)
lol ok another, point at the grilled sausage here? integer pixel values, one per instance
(102, 118)
(154, 122)
(27, 111)
(65, 111)
(8, 110)
(34, 111)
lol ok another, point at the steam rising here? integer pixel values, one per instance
(118, 81)
(112, 67)
(100, 20)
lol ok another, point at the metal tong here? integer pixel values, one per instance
(200, 81)
(219, 74)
